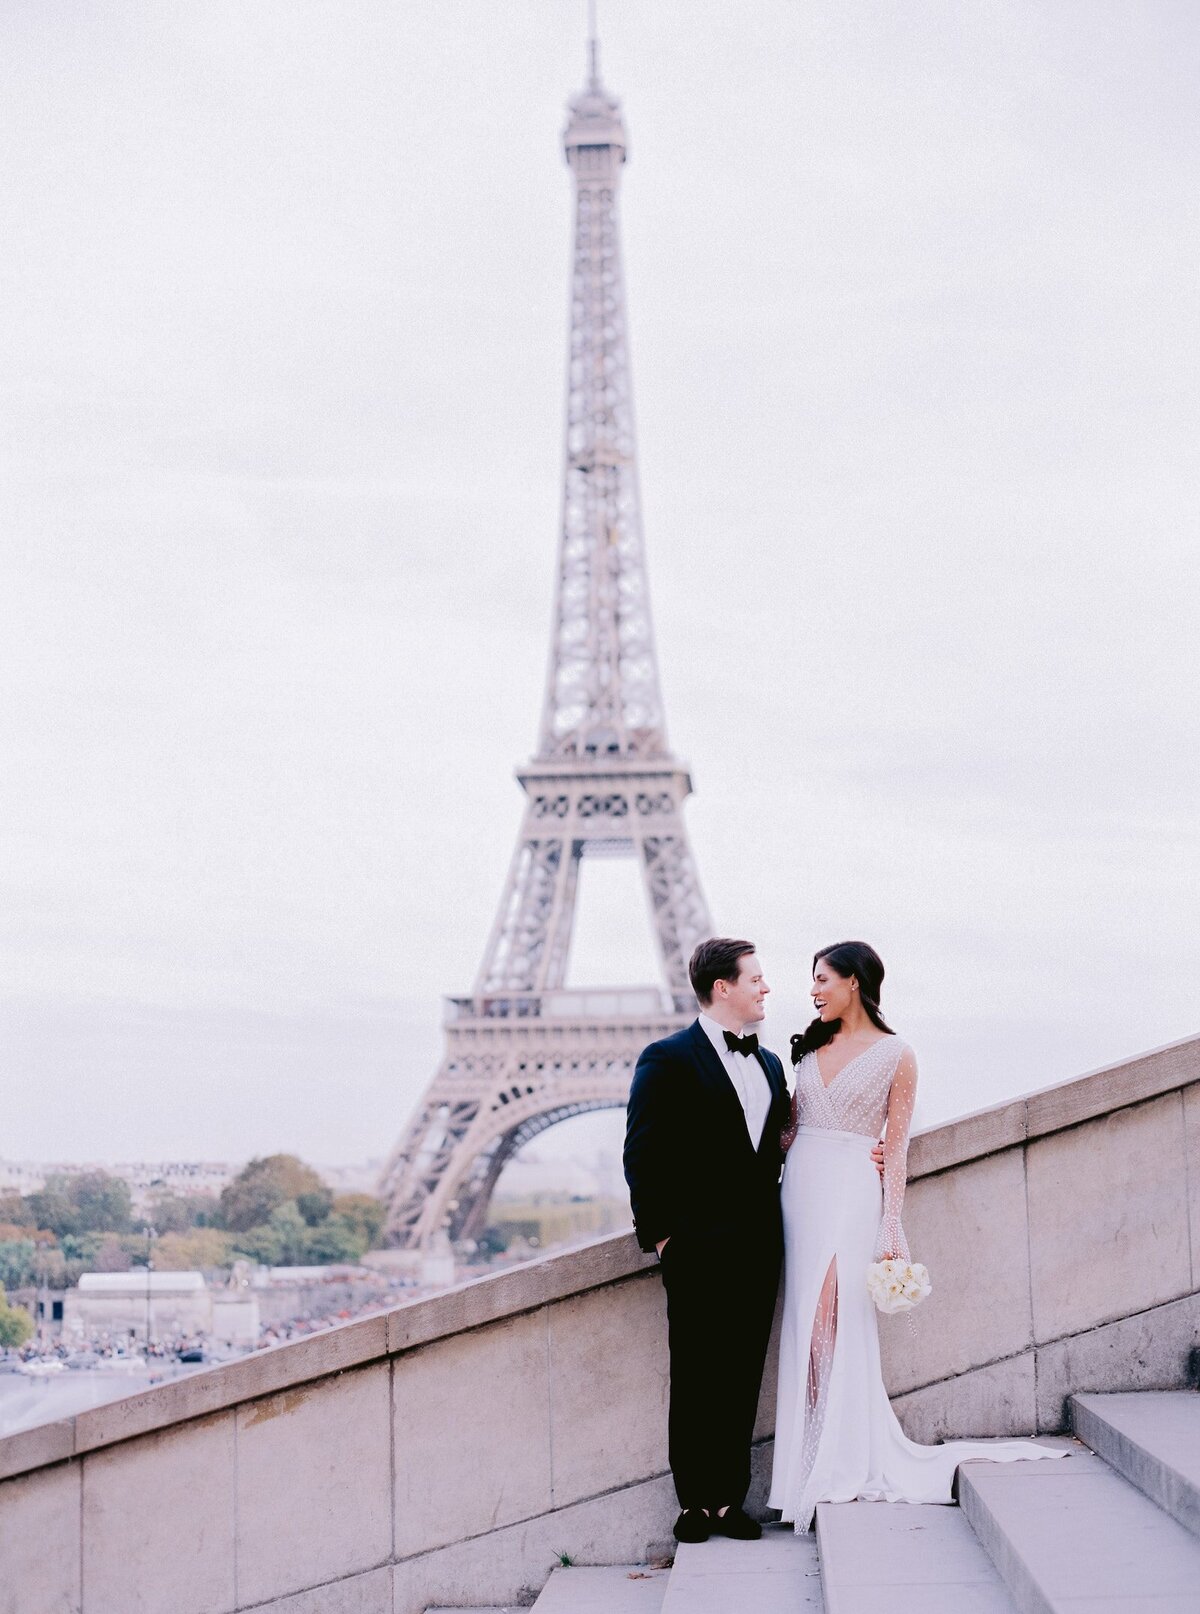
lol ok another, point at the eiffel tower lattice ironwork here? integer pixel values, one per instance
(524, 1052)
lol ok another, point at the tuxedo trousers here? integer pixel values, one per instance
(721, 1293)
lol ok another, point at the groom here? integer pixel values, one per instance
(702, 1159)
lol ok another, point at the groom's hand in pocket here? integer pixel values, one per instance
(877, 1157)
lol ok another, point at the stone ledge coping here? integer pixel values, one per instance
(556, 1277)
(373, 1339)
(1053, 1109)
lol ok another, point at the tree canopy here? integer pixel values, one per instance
(262, 1187)
(277, 1210)
(16, 1325)
(82, 1202)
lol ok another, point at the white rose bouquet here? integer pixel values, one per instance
(897, 1285)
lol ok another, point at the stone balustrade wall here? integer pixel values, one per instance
(445, 1453)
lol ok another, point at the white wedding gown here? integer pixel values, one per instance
(836, 1436)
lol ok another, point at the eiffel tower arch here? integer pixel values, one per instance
(523, 1051)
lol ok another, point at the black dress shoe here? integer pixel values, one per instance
(735, 1524)
(693, 1524)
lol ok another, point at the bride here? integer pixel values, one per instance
(836, 1436)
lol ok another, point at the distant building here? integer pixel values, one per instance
(141, 1304)
(24, 1176)
(360, 1178)
(149, 1177)
(145, 1177)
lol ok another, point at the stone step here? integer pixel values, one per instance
(1152, 1437)
(1073, 1537)
(906, 1559)
(777, 1575)
(613, 1589)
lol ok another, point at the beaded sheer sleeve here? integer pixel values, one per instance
(902, 1095)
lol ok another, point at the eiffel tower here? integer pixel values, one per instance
(523, 1051)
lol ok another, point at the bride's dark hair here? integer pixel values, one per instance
(850, 958)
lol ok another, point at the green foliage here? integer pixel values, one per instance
(286, 1239)
(316, 1206)
(104, 1202)
(114, 1254)
(197, 1250)
(263, 1187)
(17, 1263)
(26, 1230)
(50, 1267)
(14, 1209)
(79, 1249)
(281, 1213)
(337, 1239)
(80, 1252)
(366, 1215)
(73, 1204)
(291, 1230)
(16, 1325)
(257, 1244)
(277, 1211)
(53, 1208)
(282, 1240)
(169, 1212)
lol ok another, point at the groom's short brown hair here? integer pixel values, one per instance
(716, 960)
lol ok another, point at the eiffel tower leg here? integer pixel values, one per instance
(504, 1064)
(514, 958)
(528, 943)
(677, 905)
(475, 1195)
(482, 1108)
(420, 1161)
(561, 920)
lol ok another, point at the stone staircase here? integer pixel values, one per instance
(1114, 1528)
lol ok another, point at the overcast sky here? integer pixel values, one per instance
(914, 305)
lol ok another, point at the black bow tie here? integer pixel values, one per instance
(741, 1045)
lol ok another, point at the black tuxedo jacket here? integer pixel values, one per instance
(689, 1161)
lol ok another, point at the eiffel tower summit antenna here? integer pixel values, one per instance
(524, 1051)
(593, 48)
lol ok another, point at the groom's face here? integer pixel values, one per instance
(744, 997)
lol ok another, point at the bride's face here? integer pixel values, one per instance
(832, 994)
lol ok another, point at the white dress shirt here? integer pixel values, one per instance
(748, 1077)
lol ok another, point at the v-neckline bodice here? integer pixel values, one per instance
(841, 1071)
